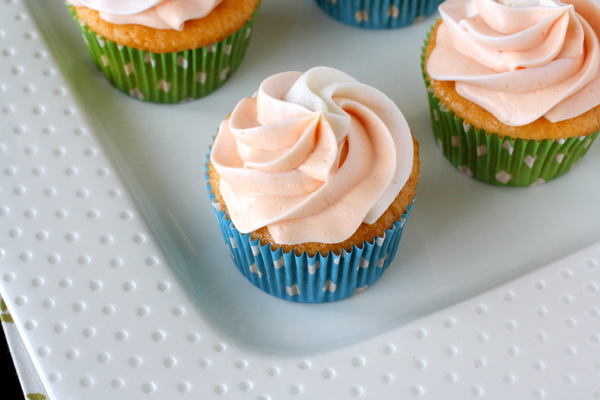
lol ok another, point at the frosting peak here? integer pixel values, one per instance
(521, 59)
(121, 7)
(311, 156)
(158, 14)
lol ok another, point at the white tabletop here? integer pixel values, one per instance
(120, 288)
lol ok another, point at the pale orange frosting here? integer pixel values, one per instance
(311, 156)
(158, 14)
(521, 59)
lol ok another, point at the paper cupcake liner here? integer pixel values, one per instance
(305, 279)
(379, 14)
(167, 77)
(501, 160)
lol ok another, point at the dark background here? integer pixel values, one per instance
(11, 388)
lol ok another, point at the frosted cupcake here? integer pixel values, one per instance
(312, 180)
(379, 14)
(514, 89)
(166, 51)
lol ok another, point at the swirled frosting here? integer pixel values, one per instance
(521, 59)
(311, 156)
(158, 14)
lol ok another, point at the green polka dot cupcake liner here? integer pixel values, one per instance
(167, 77)
(379, 14)
(501, 160)
(309, 279)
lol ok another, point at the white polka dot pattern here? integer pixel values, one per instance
(104, 316)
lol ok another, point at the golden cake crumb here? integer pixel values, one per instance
(365, 232)
(228, 17)
(583, 125)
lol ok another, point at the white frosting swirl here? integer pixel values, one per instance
(158, 14)
(311, 156)
(521, 59)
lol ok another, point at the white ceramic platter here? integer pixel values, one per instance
(113, 267)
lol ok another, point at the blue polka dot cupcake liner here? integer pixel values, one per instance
(167, 77)
(379, 14)
(309, 279)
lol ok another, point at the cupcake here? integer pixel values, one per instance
(312, 180)
(379, 14)
(514, 88)
(166, 51)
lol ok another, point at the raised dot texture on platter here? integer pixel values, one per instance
(36, 148)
